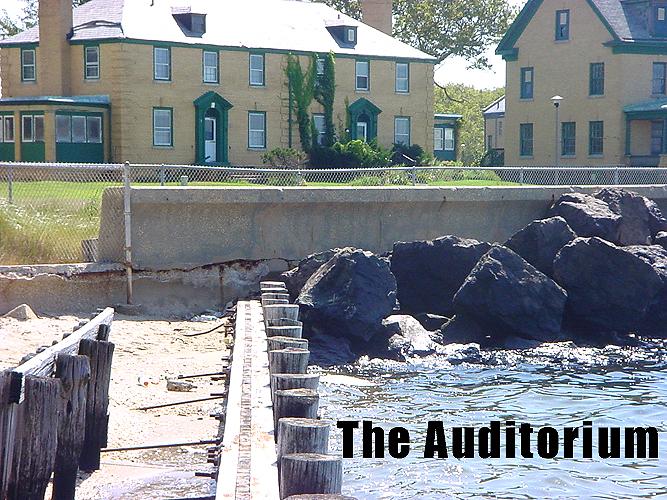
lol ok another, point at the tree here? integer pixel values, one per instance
(471, 105)
(28, 19)
(444, 28)
(8, 26)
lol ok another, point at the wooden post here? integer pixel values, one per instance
(289, 360)
(38, 417)
(273, 295)
(273, 312)
(6, 432)
(277, 343)
(300, 403)
(285, 381)
(310, 473)
(270, 302)
(74, 374)
(285, 331)
(263, 285)
(97, 401)
(284, 322)
(302, 435)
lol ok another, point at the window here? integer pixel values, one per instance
(500, 128)
(257, 70)
(562, 25)
(657, 134)
(162, 127)
(362, 75)
(439, 139)
(362, 131)
(257, 130)
(161, 63)
(526, 139)
(92, 63)
(320, 66)
(6, 128)
(198, 23)
(94, 129)
(32, 129)
(659, 73)
(596, 138)
(210, 64)
(449, 139)
(596, 79)
(661, 13)
(527, 83)
(28, 65)
(569, 139)
(351, 35)
(63, 128)
(318, 121)
(79, 129)
(489, 142)
(402, 130)
(402, 77)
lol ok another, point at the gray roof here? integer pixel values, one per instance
(289, 25)
(83, 100)
(628, 19)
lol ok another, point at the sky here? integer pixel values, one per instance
(454, 70)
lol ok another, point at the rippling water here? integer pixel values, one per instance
(557, 385)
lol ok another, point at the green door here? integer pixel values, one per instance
(211, 135)
(7, 137)
(32, 137)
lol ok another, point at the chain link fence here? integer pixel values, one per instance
(50, 213)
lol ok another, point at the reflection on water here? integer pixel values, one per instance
(556, 385)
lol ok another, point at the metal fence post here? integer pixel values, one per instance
(616, 176)
(414, 175)
(128, 229)
(10, 185)
(521, 170)
(162, 175)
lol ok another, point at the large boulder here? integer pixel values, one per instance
(640, 217)
(587, 216)
(609, 289)
(655, 322)
(432, 322)
(409, 337)
(540, 241)
(296, 278)
(511, 297)
(428, 273)
(661, 239)
(348, 297)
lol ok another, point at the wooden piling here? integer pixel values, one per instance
(271, 284)
(270, 302)
(74, 375)
(285, 331)
(36, 453)
(297, 403)
(283, 322)
(286, 381)
(277, 343)
(290, 360)
(275, 290)
(274, 295)
(304, 473)
(302, 435)
(100, 354)
(273, 312)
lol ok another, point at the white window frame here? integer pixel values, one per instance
(81, 122)
(157, 64)
(438, 139)
(254, 71)
(320, 66)
(357, 74)
(216, 68)
(251, 144)
(4, 120)
(449, 140)
(94, 119)
(351, 35)
(60, 139)
(403, 89)
(162, 129)
(32, 65)
(91, 65)
(662, 14)
(397, 120)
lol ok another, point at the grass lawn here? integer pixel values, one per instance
(49, 219)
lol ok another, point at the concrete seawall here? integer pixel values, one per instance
(185, 228)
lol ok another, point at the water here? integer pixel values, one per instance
(557, 385)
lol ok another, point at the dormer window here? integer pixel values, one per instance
(343, 32)
(659, 19)
(191, 23)
(351, 35)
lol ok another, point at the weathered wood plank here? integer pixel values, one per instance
(278, 343)
(310, 473)
(100, 354)
(44, 363)
(74, 375)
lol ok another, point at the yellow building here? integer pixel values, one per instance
(494, 131)
(200, 81)
(607, 60)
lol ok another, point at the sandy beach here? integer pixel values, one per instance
(148, 352)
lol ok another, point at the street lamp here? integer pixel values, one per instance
(556, 100)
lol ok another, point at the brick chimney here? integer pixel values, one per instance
(55, 26)
(377, 13)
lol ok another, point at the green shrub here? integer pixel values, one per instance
(288, 158)
(352, 154)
